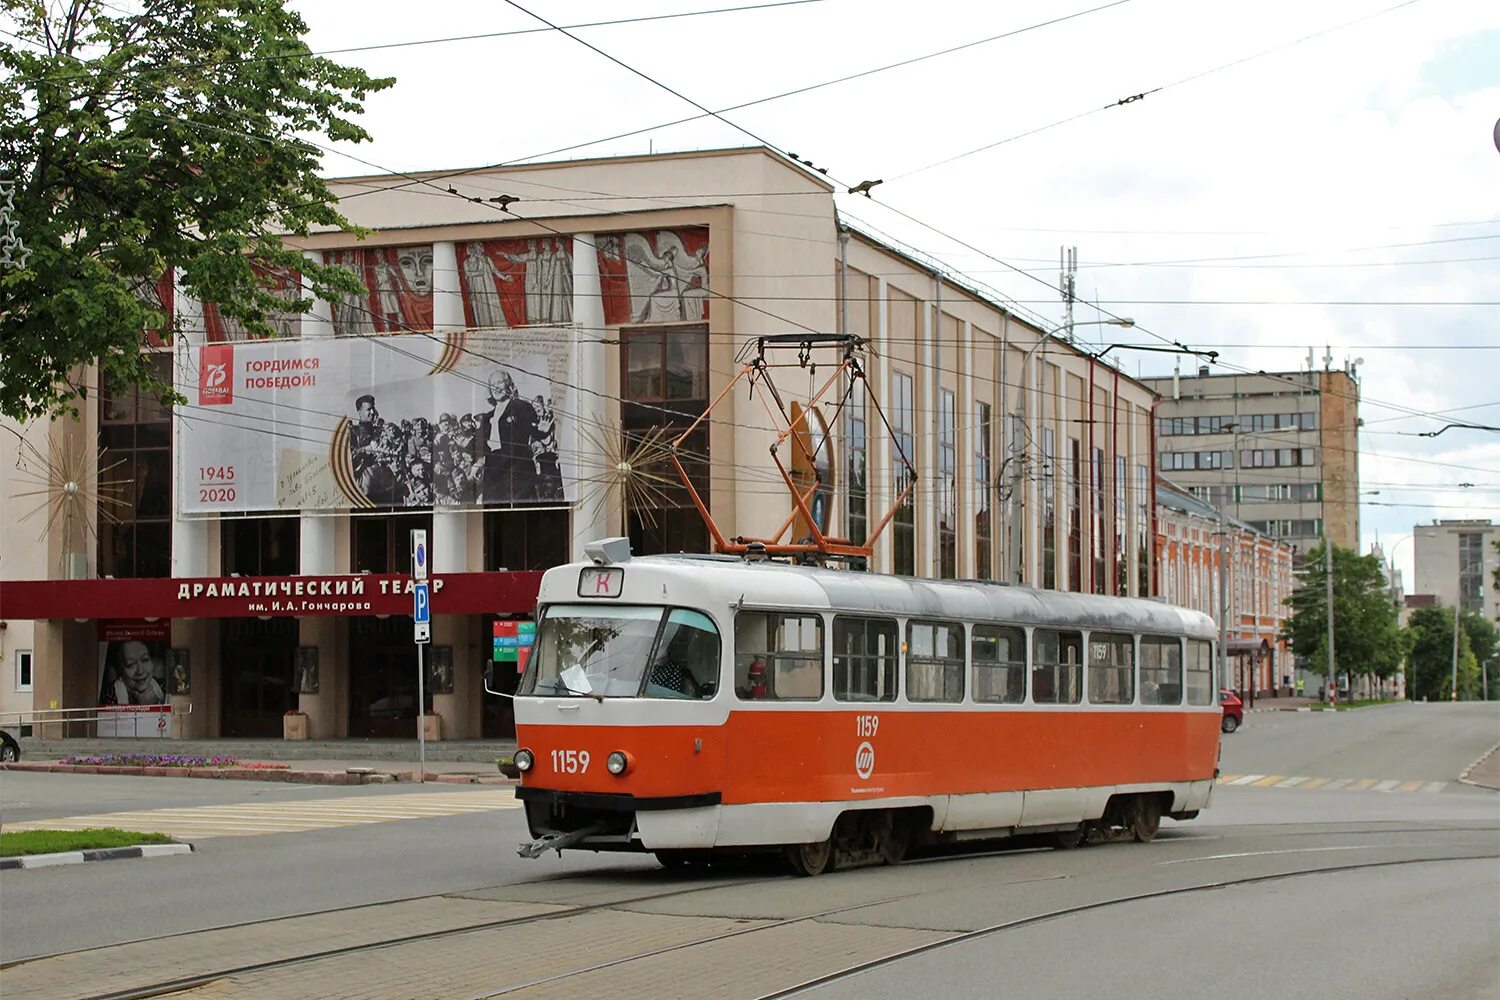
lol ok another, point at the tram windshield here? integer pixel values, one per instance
(585, 650)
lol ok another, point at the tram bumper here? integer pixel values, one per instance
(605, 821)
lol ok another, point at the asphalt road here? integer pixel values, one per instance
(1393, 873)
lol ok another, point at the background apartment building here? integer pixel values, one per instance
(1279, 451)
(1455, 563)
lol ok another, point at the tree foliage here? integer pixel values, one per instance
(143, 141)
(1431, 632)
(1367, 636)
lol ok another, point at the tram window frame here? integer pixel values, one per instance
(1198, 663)
(1050, 670)
(784, 664)
(845, 660)
(1111, 679)
(1161, 683)
(1012, 690)
(930, 670)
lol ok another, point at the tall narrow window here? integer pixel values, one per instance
(1097, 473)
(1075, 515)
(1143, 541)
(1056, 667)
(856, 464)
(23, 669)
(984, 542)
(947, 532)
(135, 475)
(1122, 538)
(665, 382)
(1049, 509)
(903, 450)
(864, 659)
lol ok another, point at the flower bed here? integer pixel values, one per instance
(167, 760)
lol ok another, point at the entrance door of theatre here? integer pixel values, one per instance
(382, 678)
(255, 662)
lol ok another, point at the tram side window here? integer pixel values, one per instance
(864, 659)
(1056, 667)
(686, 664)
(1161, 671)
(778, 656)
(999, 664)
(1111, 669)
(935, 661)
(1200, 672)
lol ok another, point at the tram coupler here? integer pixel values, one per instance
(556, 842)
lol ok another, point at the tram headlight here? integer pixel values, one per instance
(617, 762)
(524, 760)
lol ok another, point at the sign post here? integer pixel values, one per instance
(421, 617)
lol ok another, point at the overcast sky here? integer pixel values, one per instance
(1289, 190)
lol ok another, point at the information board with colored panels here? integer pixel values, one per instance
(513, 642)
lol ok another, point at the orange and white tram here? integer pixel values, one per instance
(686, 705)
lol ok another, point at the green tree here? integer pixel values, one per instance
(1431, 639)
(1367, 637)
(143, 141)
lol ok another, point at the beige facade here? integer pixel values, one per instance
(1279, 451)
(1456, 561)
(1033, 459)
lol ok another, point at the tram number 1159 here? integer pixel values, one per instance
(570, 761)
(866, 725)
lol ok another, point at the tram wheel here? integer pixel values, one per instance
(895, 841)
(810, 859)
(1145, 819)
(1068, 839)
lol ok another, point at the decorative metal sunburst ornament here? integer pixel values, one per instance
(631, 468)
(63, 485)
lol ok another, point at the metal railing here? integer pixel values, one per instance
(109, 721)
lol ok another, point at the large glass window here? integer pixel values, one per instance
(135, 480)
(1111, 669)
(778, 656)
(619, 651)
(864, 659)
(935, 661)
(1098, 473)
(665, 388)
(903, 450)
(856, 465)
(1056, 667)
(999, 663)
(260, 546)
(1161, 671)
(1200, 672)
(525, 539)
(1049, 509)
(947, 530)
(1075, 515)
(984, 517)
(383, 544)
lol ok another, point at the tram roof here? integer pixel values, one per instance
(775, 584)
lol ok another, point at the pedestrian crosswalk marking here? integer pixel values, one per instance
(1331, 784)
(297, 816)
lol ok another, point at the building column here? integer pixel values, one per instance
(929, 492)
(590, 520)
(966, 447)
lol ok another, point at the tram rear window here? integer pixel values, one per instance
(1161, 671)
(864, 659)
(1111, 669)
(778, 656)
(935, 661)
(1056, 667)
(999, 664)
(1200, 672)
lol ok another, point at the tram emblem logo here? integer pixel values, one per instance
(864, 760)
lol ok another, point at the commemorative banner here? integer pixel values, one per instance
(406, 420)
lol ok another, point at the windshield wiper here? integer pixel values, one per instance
(559, 686)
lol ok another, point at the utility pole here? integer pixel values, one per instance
(1453, 690)
(1328, 581)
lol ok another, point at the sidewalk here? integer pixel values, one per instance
(312, 761)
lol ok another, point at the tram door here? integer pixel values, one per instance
(256, 659)
(382, 678)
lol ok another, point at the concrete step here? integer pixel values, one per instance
(453, 751)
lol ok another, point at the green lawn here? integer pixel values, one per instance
(52, 841)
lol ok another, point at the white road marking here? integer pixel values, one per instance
(1260, 854)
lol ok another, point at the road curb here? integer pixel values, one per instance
(359, 776)
(1474, 765)
(98, 854)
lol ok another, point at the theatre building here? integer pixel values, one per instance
(512, 382)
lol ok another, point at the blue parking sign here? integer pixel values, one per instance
(421, 608)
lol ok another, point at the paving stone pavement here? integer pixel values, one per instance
(246, 819)
(1331, 784)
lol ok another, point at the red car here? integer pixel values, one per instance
(1234, 711)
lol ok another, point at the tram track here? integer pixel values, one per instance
(562, 981)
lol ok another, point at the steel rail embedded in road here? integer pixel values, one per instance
(1067, 911)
